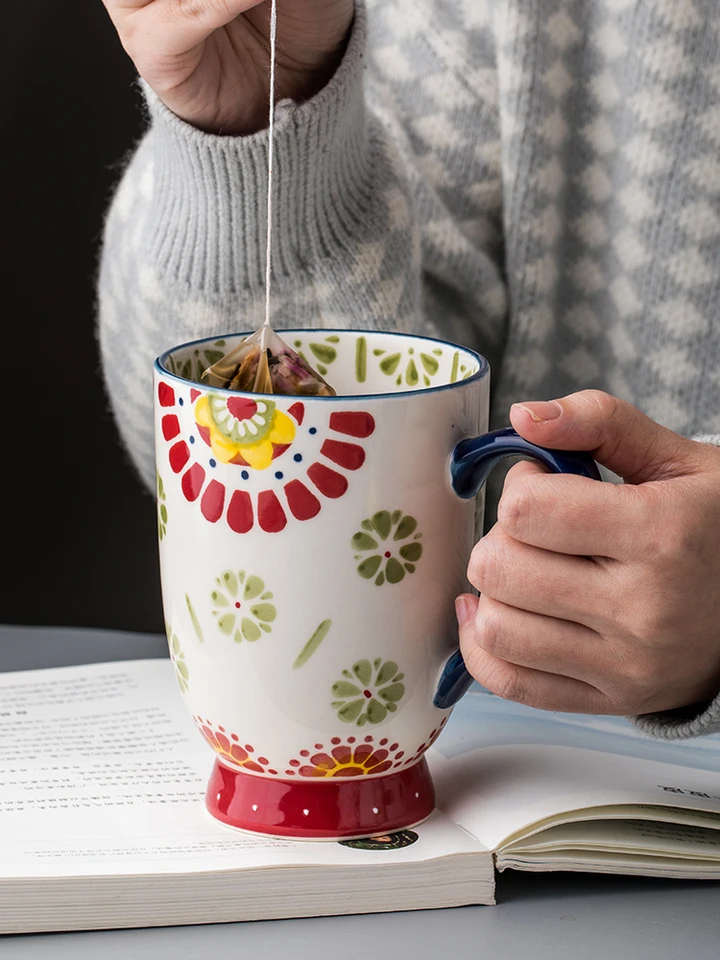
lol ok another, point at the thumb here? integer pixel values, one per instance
(617, 434)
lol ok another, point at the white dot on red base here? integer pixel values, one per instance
(375, 810)
(306, 813)
(255, 806)
(417, 796)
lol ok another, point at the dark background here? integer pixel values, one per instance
(78, 530)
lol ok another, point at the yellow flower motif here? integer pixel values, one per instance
(241, 430)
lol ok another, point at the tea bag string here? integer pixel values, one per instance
(271, 137)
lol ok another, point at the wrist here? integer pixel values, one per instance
(309, 52)
(209, 195)
(297, 84)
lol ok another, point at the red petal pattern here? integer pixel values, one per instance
(192, 482)
(178, 456)
(170, 426)
(297, 410)
(213, 501)
(240, 512)
(331, 484)
(271, 515)
(166, 395)
(353, 424)
(304, 505)
(364, 751)
(347, 455)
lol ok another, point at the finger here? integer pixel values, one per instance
(121, 6)
(181, 24)
(540, 643)
(575, 515)
(535, 688)
(618, 434)
(544, 691)
(190, 9)
(536, 580)
(525, 468)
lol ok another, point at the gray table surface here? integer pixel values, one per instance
(538, 917)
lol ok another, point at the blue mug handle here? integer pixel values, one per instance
(472, 463)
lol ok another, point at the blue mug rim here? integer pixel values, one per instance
(482, 371)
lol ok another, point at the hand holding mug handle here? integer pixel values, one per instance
(472, 462)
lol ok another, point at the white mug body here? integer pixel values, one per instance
(311, 549)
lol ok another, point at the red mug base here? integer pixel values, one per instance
(322, 809)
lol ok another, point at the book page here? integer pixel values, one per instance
(587, 861)
(646, 837)
(623, 811)
(498, 792)
(102, 771)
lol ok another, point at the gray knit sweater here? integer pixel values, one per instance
(537, 179)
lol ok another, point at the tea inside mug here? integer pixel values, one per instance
(351, 363)
(264, 363)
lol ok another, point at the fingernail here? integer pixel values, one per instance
(462, 611)
(542, 410)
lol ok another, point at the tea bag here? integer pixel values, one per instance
(263, 362)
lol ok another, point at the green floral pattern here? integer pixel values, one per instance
(241, 607)
(161, 507)
(194, 619)
(410, 366)
(368, 692)
(192, 365)
(459, 371)
(182, 674)
(323, 353)
(313, 644)
(387, 547)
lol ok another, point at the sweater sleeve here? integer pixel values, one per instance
(372, 229)
(684, 723)
(699, 719)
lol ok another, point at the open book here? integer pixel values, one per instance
(102, 822)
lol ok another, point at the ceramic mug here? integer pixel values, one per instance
(311, 550)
